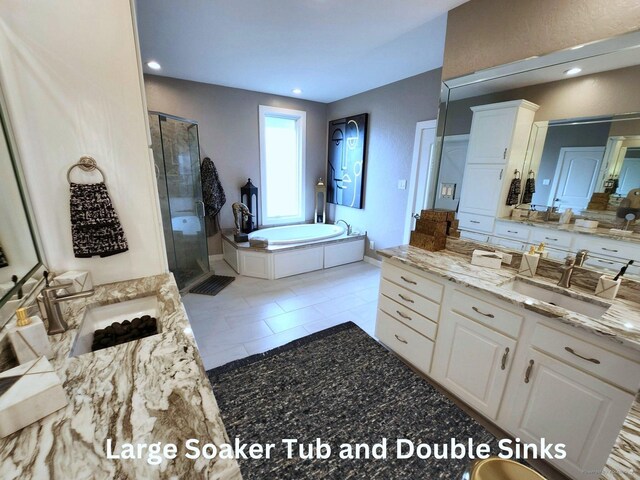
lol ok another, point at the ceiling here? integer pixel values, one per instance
(329, 49)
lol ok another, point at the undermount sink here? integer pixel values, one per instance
(100, 317)
(560, 297)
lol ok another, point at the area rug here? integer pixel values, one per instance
(341, 386)
(212, 285)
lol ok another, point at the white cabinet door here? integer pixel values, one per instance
(473, 362)
(490, 138)
(481, 190)
(551, 400)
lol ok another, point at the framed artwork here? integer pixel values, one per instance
(345, 169)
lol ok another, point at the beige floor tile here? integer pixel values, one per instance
(289, 320)
(276, 340)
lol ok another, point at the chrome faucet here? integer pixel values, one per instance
(567, 272)
(52, 300)
(348, 226)
(581, 256)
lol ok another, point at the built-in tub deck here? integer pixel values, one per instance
(284, 260)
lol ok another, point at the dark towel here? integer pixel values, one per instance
(3, 258)
(514, 192)
(212, 192)
(529, 190)
(95, 227)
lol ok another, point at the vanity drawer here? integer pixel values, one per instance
(512, 230)
(470, 221)
(409, 299)
(410, 345)
(554, 238)
(412, 281)
(486, 313)
(602, 363)
(602, 247)
(424, 325)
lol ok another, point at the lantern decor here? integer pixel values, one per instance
(249, 197)
(321, 202)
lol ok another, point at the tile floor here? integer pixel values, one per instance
(253, 315)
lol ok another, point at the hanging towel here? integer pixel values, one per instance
(95, 227)
(3, 258)
(514, 191)
(212, 194)
(529, 189)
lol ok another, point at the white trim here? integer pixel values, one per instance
(300, 117)
(372, 261)
(413, 187)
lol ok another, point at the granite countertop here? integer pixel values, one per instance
(571, 227)
(147, 391)
(620, 324)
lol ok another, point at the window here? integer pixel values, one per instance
(282, 159)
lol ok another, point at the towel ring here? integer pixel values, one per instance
(88, 164)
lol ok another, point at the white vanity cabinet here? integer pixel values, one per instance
(475, 348)
(497, 146)
(609, 254)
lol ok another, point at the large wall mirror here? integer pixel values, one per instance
(21, 263)
(581, 150)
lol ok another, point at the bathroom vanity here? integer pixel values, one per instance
(142, 392)
(568, 373)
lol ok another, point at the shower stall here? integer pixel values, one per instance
(177, 161)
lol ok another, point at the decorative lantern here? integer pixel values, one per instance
(249, 196)
(321, 202)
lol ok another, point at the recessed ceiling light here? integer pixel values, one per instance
(154, 65)
(573, 71)
(577, 47)
(296, 91)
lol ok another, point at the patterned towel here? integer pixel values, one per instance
(514, 192)
(529, 190)
(3, 258)
(95, 227)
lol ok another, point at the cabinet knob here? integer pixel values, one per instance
(504, 359)
(527, 374)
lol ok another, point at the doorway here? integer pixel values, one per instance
(576, 176)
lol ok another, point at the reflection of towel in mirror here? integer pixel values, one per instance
(529, 190)
(213, 195)
(514, 192)
(95, 226)
(3, 258)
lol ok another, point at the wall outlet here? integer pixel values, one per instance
(402, 184)
(546, 181)
(372, 245)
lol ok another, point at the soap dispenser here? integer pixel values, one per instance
(29, 338)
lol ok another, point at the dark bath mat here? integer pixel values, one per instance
(212, 285)
(341, 386)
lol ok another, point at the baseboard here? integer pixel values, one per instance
(215, 258)
(373, 261)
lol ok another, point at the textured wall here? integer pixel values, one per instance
(228, 129)
(486, 33)
(393, 112)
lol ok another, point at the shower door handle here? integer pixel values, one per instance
(200, 208)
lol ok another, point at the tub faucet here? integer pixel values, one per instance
(348, 226)
(581, 256)
(52, 300)
(567, 272)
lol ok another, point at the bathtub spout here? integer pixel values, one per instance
(348, 226)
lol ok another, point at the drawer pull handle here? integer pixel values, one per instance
(407, 280)
(406, 299)
(504, 154)
(573, 352)
(604, 261)
(400, 339)
(552, 239)
(474, 221)
(610, 249)
(527, 374)
(512, 231)
(475, 309)
(403, 315)
(504, 359)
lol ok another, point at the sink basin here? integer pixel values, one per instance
(96, 318)
(582, 304)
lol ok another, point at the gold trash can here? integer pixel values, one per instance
(496, 468)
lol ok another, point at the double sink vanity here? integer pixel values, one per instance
(537, 360)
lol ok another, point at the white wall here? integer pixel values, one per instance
(71, 77)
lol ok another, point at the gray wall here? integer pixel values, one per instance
(228, 127)
(393, 110)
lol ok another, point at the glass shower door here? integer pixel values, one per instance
(177, 158)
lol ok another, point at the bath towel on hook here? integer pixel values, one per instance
(95, 226)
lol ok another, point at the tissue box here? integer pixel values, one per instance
(607, 287)
(486, 259)
(582, 223)
(36, 393)
(74, 281)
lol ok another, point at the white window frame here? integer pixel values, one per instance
(301, 129)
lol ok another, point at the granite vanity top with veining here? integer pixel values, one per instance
(620, 324)
(151, 390)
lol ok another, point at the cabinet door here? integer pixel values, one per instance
(473, 362)
(481, 189)
(490, 138)
(564, 405)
